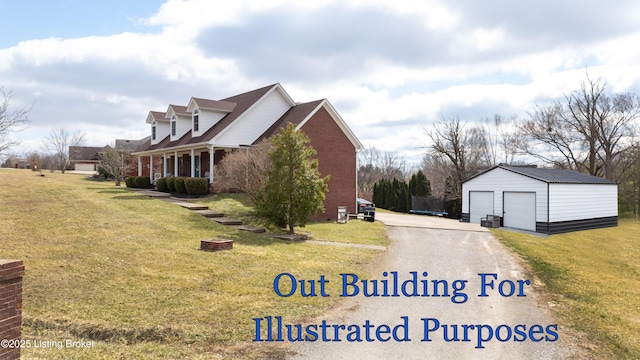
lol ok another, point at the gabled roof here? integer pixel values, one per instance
(131, 145)
(86, 153)
(238, 105)
(295, 115)
(551, 176)
(301, 113)
(216, 105)
(177, 110)
(242, 102)
(156, 116)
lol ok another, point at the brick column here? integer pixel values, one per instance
(11, 272)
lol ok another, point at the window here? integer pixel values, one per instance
(196, 124)
(173, 126)
(153, 132)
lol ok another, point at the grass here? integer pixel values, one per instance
(239, 206)
(593, 278)
(110, 265)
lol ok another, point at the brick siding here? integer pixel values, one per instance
(11, 272)
(337, 158)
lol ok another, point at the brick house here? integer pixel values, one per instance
(131, 161)
(190, 139)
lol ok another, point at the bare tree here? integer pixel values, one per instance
(244, 169)
(375, 165)
(58, 142)
(588, 132)
(115, 162)
(437, 170)
(458, 147)
(629, 183)
(11, 120)
(35, 161)
(369, 171)
(549, 138)
(393, 166)
(497, 139)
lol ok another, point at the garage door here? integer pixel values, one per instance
(84, 167)
(480, 205)
(520, 210)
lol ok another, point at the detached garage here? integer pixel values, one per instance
(548, 201)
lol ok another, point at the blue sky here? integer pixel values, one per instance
(390, 67)
(68, 19)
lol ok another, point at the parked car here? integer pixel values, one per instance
(365, 205)
(367, 208)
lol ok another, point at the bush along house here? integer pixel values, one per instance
(191, 139)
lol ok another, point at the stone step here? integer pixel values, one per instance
(252, 229)
(155, 194)
(192, 206)
(209, 213)
(227, 221)
(289, 237)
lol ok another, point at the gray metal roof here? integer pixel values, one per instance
(552, 176)
(556, 176)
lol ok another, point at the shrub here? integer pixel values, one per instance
(102, 171)
(196, 186)
(171, 185)
(143, 182)
(130, 181)
(179, 184)
(161, 184)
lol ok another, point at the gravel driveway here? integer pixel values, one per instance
(446, 250)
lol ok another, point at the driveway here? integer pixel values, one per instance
(446, 250)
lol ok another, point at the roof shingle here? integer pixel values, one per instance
(552, 176)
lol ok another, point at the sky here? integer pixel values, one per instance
(391, 68)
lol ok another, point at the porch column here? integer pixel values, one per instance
(164, 165)
(139, 165)
(193, 164)
(211, 159)
(151, 173)
(175, 163)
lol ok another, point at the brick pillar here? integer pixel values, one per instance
(11, 272)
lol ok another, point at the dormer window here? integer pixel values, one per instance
(173, 126)
(196, 124)
(153, 131)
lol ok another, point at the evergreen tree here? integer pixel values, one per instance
(294, 189)
(419, 184)
(376, 194)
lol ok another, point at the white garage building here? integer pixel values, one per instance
(548, 201)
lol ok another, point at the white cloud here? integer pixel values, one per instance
(390, 67)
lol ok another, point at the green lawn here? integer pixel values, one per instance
(107, 264)
(593, 278)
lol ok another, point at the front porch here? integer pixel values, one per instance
(196, 162)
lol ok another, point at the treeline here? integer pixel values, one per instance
(589, 130)
(396, 195)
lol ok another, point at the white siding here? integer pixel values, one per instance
(582, 201)
(183, 125)
(247, 128)
(163, 129)
(500, 180)
(206, 120)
